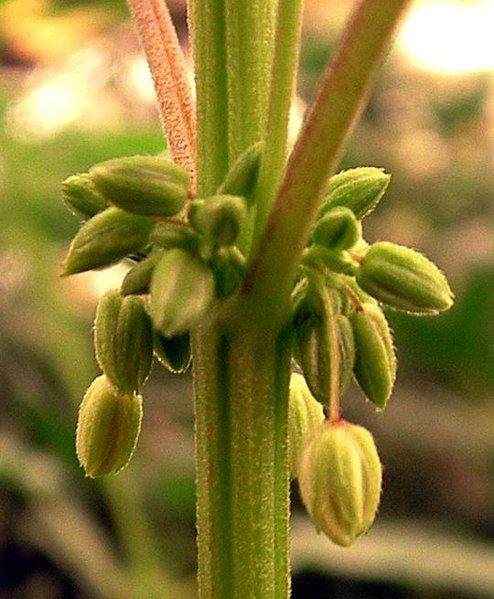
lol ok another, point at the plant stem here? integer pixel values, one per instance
(340, 100)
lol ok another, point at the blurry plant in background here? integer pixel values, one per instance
(82, 101)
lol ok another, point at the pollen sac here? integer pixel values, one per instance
(107, 428)
(305, 414)
(138, 278)
(105, 239)
(340, 478)
(145, 185)
(182, 289)
(358, 189)
(404, 279)
(219, 218)
(173, 352)
(242, 177)
(123, 340)
(81, 196)
(375, 359)
(338, 229)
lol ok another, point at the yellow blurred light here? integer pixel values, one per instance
(450, 37)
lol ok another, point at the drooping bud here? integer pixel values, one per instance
(105, 239)
(175, 235)
(145, 185)
(108, 427)
(182, 289)
(359, 189)
(81, 196)
(340, 478)
(219, 218)
(123, 340)
(338, 229)
(404, 279)
(173, 352)
(375, 359)
(241, 178)
(305, 413)
(138, 278)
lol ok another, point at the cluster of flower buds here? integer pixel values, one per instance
(183, 258)
(340, 333)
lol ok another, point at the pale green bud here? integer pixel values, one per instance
(242, 177)
(359, 189)
(81, 196)
(175, 235)
(219, 218)
(229, 268)
(338, 261)
(340, 477)
(173, 352)
(107, 428)
(375, 359)
(182, 289)
(123, 340)
(138, 278)
(305, 413)
(404, 279)
(338, 229)
(146, 185)
(105, 239)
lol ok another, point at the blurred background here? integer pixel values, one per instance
(74, 90)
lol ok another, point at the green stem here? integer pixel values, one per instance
(339, 102)
(241, 376)
(283, 78)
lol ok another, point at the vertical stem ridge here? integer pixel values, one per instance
(168, 68)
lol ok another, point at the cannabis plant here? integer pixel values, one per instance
(247, 260)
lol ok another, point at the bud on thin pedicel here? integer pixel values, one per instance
(108, 427)
(182, 288)
(105, 239)
(340, 478)
(404, 279)
(305, 413)
(81, 196)
(359, 189)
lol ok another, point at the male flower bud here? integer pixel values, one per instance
(146, 185)
(229, 268)
(182, 289)
(358, 189)
(305, 413)
(338, 229)
(338, 261)
(81, 196)
(107, 428)
(123, 340)
(175, 235)
(340, 479)
(105, 239)
(173, 352)
(219, 218)
(375, 360)
(138, 278)
(242, 177)
(403, 279)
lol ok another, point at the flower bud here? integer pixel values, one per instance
(337, 229)
(337, 261)
(107, 428)
(138, 278)
(81, 196)
(359, 189)
(219, 218)
(375, 360)
(123, 341)
(305, 413)
(105, 239)
(175, 235)
(340, 479)
(182, 289)
(145, 185)
(404, 279)
(242, 177)
(229, 268)
(173, 352)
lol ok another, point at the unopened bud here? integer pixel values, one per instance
(105, 239)
(359, 189)
(242, 177)
(340, 478)
(404, 279)
(219, 218)
(375, 359)
(182, 289)
(107, 428)
(138, 278)
(146, 185)
(173, 352)
(175, 235)
(81, 196)
(229, 268)
(338, 229)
